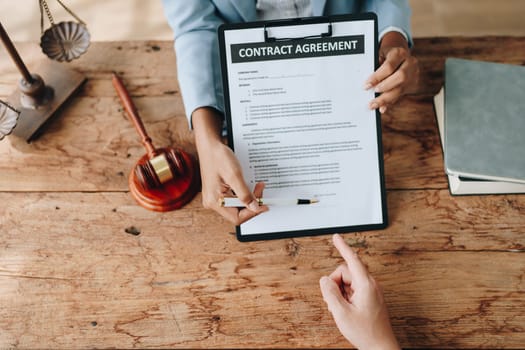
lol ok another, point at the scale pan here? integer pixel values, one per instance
(8, 119)
(65, 41)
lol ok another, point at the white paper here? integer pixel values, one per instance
(303, 126)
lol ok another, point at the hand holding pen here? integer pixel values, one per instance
(221, 173)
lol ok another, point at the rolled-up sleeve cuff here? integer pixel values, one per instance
(395, 29)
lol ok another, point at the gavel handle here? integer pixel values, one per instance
(133, 115)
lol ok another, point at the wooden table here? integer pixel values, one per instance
(452, 268)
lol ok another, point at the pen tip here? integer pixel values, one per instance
(312, 201)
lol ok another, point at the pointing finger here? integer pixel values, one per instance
(355, 266)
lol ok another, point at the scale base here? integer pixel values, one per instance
(63, 82)
(173, 194)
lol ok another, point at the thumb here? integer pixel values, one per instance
(332, 296)
(244, 194)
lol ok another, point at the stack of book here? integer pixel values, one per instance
(481, 119)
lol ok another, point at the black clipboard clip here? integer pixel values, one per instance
(269, 39)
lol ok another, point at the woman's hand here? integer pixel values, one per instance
(397, 75)
(356, 302)
(221, 173)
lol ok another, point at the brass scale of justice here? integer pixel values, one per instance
(163, 179)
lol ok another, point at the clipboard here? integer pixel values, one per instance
(297, 118)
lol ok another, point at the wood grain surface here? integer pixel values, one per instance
(82, 266)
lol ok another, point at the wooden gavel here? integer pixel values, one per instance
(163, 164)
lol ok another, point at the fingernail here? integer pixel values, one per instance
(374, 105)
(368, 86)
(253, 205)
(382, 109)
(378, 89)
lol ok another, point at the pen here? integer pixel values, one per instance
(235, 202)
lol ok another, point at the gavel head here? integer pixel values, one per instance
(160, 169)
(165, 181)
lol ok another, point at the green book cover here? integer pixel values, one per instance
(485, 120)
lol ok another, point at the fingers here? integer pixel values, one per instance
(405, 77)
(393, 81)
(239, 215)
(235, 215)
(358, 271)
(258, 189)
(389, 79)
(393, 59)
(241, 190)
(246, 214)
(396, 76)
(332, 296)
(342, 277)
(213, 190)
(385, 100)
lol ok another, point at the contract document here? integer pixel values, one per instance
(298, 119)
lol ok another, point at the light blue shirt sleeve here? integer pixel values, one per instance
(194, 24)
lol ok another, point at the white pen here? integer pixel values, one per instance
(235, 202)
